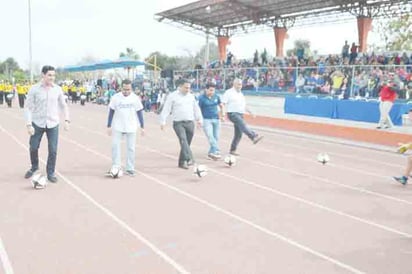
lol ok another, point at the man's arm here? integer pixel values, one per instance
(63, 106)
(167, 109)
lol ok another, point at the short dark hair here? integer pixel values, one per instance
(46, 69)
(126, 82)
(210, 85)
(182, 81)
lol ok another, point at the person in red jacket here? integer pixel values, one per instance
(388, 95)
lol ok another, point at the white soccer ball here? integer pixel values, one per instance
(230, 160)
(116, 172)
(200, 170)
(323, 158)
(39, 181)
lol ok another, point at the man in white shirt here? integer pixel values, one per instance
(183, 107)
(235, 105)
(125, 109)
(42, 116)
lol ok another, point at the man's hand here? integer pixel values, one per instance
(222, 117)
(30, 130)
(199, 124)
(66, 125)
(109, 131)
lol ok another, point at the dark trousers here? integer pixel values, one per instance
(52, 139)
(1, 97)
(8, 101)
(22, 97)
(184, 131)
(240, 127)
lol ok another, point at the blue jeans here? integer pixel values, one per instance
(212, 131)
(117, 149)
(52, 139)
(240, 127)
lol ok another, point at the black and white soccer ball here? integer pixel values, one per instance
(115, 172)
(200, 170)
(39, 181)
(323, 158)
(230, 160)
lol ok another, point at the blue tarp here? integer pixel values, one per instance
(123, 62)
(343, 109)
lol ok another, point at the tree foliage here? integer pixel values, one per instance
(189, 60)
(130, 53)
(395, 33)
(300, 44)
(10, 69)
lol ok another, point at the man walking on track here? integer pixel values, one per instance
(209, 104)
(184, 109)
(42, 116)
(125, 109)
(235, 105)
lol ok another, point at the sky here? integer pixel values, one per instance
(65, 32)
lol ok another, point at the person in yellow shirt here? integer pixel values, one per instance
(2, 87)
(74, 94)
(8, 94)
(21, 94)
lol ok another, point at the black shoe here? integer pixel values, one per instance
(52, 179)
(403, 180)
(29, 173)
(256, 139)
(184, 165)
(234, 153)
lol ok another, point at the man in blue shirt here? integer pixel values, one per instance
(209, 104)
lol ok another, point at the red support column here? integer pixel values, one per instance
(364, 26)
(222, 42)
(280, 35)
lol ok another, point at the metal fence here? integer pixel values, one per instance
(349, 81)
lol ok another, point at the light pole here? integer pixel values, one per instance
(206, 60)
(30, 46)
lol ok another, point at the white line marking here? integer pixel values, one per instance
(292, 197)
(8, 269)
(316, 178)
(116, 219)
(295, 198)
(230, 214)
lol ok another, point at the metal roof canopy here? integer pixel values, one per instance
(229, 17)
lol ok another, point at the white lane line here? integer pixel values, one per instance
(298, 199)
(116, 219)
(4, 258)
(289, 196)
(291, 171)
(230, 214)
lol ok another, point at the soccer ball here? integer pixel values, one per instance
(200, 170)
(230, 160)
(323, 158)
(39, 181)
(115, 172)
